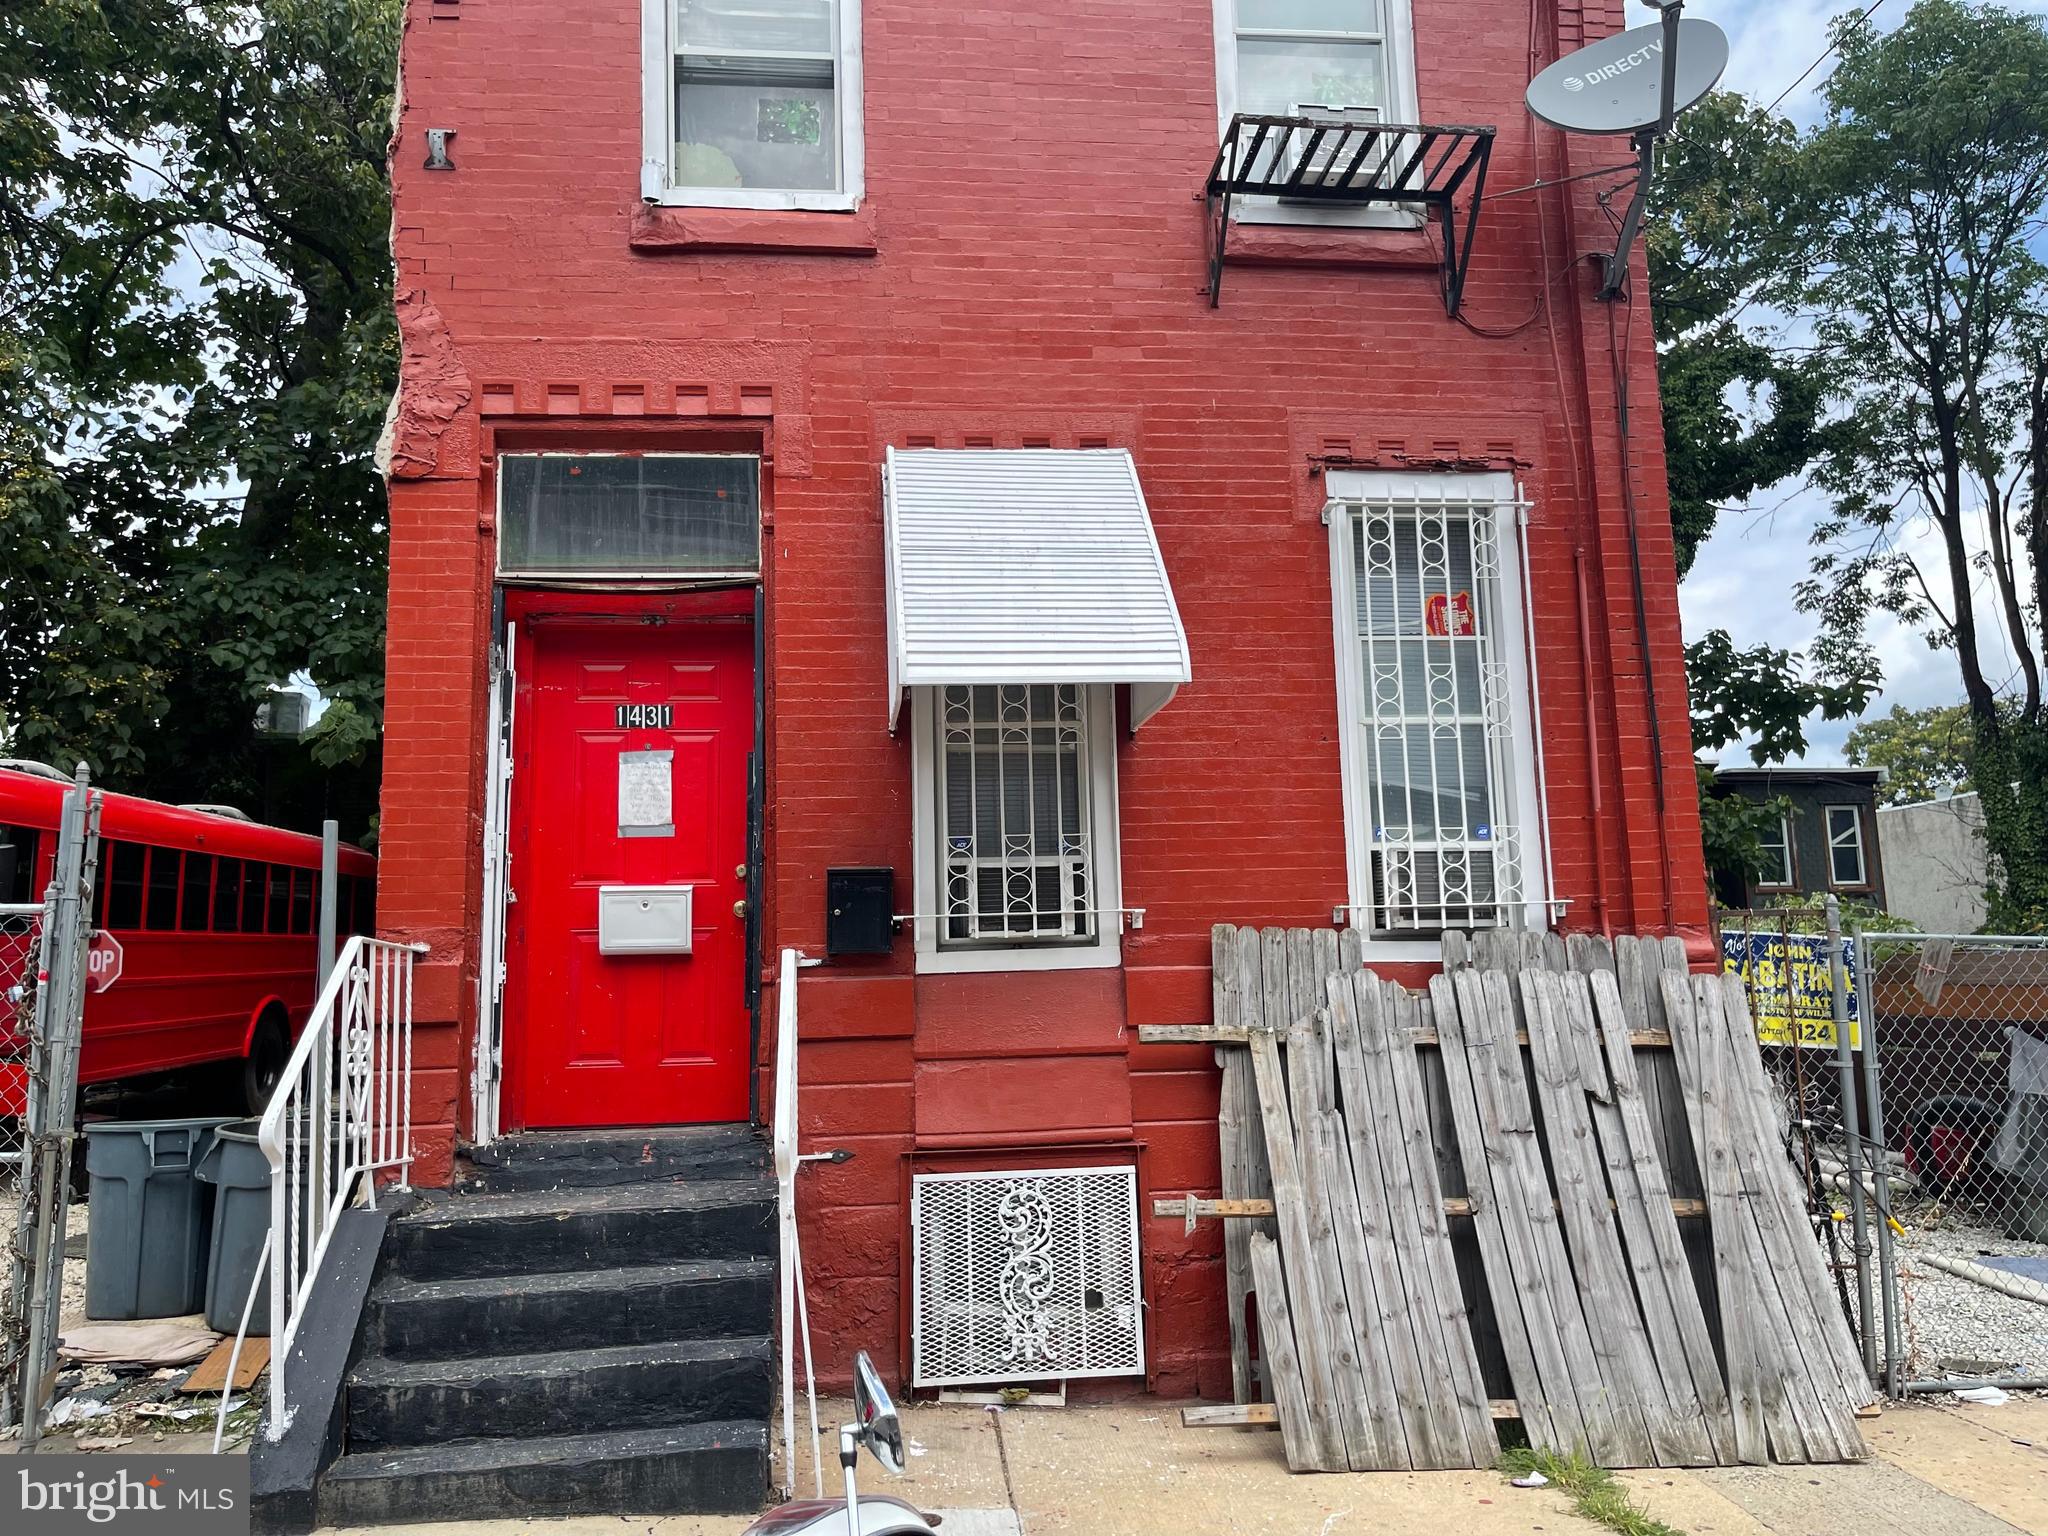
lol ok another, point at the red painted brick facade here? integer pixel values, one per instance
(1026, 269)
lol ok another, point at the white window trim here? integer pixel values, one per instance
(657, 105)
(1106, 949)
(1791, 879)
(1398, 29)
(1862, 880)
(1530, 819)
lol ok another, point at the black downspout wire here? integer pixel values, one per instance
(1635, 569)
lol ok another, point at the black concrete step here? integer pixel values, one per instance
(561, 1392)
(691, 1469)
(570, 1309)
(582, 1229)
(590, 1159)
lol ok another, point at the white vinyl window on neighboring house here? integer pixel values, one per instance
(1350, 60)
(1442, 818)
(751, 103)
(1016, 831)
(1845, 847)
(1774, 855)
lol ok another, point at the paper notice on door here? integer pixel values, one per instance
(646, 799)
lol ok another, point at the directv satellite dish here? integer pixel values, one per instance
(1617, 85)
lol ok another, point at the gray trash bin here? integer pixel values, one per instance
(240, 1174)
(150, 1219)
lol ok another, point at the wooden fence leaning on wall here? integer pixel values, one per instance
(1544, 1189)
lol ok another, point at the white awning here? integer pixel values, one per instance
(1026, 565)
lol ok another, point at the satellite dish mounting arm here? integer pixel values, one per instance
(1646, 148)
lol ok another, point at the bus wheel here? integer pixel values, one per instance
(264, 1065)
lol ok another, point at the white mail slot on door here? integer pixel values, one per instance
(643, 919)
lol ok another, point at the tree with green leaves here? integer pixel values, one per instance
(1924, 189)
(1925, 753)
(196, 352)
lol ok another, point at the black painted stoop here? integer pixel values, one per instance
(585, 1327)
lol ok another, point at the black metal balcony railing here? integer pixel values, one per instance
(1328, 162)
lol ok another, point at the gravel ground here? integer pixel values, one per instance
(1953, 1324)
(73, 1309)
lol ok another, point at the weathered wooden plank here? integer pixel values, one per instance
(1241, 1149)
(1824, 1390)
(1267, 1415)
(1713, 1134)
(1456, 1207)
(1677, 1323)
(1379, 1211)
(1392, 1381)
(1381, 1072)
(1788, 1199)
(1298, 1426)
(1364, 1403)
(1350, 950)
(1643, 1424)
(1558, 1325)
(1306, 1302)
(1589, 952)
(1308, 1030)
(1424, 1034)
(1457, 949)
(1552, 1422)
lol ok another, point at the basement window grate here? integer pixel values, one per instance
(1025, 1276)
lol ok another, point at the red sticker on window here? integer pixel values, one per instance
(1448, 615)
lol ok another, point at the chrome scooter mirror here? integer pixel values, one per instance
(880, 1430)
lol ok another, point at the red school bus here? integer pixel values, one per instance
(217, 925)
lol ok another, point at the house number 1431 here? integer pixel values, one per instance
(645, 717)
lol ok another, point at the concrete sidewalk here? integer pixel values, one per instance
(1132, 1470)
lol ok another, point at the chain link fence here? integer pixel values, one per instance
(1960, 1029)
(1923, 1141)
(21, 940)
(43, 957)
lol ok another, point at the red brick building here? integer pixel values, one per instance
(818, 449)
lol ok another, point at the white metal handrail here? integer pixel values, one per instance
(796, 1311)
(342, 1114)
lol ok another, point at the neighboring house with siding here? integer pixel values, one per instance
(1824, 841)
(1937, 865)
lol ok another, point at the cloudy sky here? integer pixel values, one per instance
(1743, 579)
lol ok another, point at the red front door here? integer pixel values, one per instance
(630, 753)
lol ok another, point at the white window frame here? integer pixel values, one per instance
(1106, 947)
(657, 135)
(1855, 815)
(1397, 36)
(1791, 879)
(1525, 808)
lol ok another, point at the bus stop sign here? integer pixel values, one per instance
(103, 960)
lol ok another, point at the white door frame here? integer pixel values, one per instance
(487, 1071)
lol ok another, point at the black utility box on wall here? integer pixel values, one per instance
(860, 911)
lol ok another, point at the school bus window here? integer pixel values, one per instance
(302, 900)
(197, 907)
(227, 896)
(254, 876)
(17, 864)
(124, 886)
(280, 901)
(162, 913)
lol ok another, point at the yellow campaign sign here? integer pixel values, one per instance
(1790, 983)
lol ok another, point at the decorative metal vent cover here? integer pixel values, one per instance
(1027, 1275)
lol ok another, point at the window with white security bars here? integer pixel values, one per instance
(1016, 826)
(1439, 795)
(1013, 771)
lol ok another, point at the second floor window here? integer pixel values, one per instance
(1774, 855)
(1845, 847)
(1283, 57)
(752, 103)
